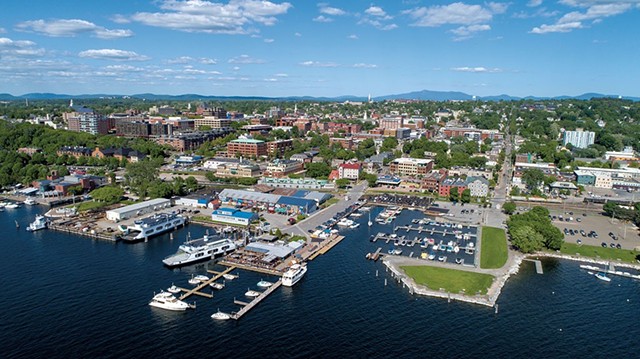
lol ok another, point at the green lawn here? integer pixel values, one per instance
(625, 255)
(451, 280)
(331, 201)
(493, 253)
(86, 206)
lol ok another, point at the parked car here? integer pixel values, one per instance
(292, 221)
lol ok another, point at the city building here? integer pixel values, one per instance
(628, 154)
(282, 168)
(233, 216)
(579, 138)
(120, 153)
(240, 169)
(246, 147)
(84, 119)
(191, 140)
(212, 122)
(298, 183)
(344, 142)
(471, 133)
(431, 182)
(137, 209)
(449, 183)
(391, 122)
(289, 205)
(478, 186)
(349, 171)
(279, 147)
(407, 166)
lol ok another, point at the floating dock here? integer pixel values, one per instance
(196, 290)
(610, 270)
(538, 265)
(246, 307)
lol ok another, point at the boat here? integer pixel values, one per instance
(201, 278)
(355, 225)
(442, 258)
(38, 224)
(264, 284)
(153, 225)
(370, 223)
(173, 289)
(229, 276)
(345, 223)
(168, 301)
(216, 285)
(198, 250)
(459, 260)
(294, 274)
(12, 205)
(603, 276)
(193, 280)
(220, 315)
(252, 293)
(30, 201)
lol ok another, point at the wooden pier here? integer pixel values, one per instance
(326, 247)
(196, 290)
(250, 268)
(538, 265)
(246, 307)
(106, 236)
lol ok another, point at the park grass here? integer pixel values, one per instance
(624, 255)
(91, 205)
(493, 253)
(451, 280)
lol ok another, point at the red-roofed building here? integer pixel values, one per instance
(333, 175)
(349, 171)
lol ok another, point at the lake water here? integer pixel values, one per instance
(65, 296)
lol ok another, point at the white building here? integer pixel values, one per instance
(478, 186)
(349, 171)
(579, 138)
(137, 209)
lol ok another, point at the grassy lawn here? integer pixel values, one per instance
(451, 280)
(493, 253)
(625, 255)
(331, 201)
(86, 206)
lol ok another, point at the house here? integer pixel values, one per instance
(282, 168)
(349, 171)
(479, 186)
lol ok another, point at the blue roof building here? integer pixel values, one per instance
(233, 216)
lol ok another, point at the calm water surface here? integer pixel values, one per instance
(65, 296)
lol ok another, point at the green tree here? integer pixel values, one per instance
(191, 183)
(389, 144)
(318, 169)
(509, 208)
(533, 178)
(465, 197)
(342, 182)
(109, 194)
(526, 239)
(454, 194)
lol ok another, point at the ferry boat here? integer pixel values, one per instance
(168, 301)
(293, 274)
(38, 224)
(154, 225)
(199, 249)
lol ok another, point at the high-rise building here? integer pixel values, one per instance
(579, 138)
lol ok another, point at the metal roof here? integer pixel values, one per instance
(142, 205)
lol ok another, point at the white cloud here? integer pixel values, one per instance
(534, 3)
(271, 80)
(234, 17)
(541, 12)
(456, 13)
(297, 34)
(318, 64)
(377, 11)
(268, 41)
(378, 18)
(281, 75)
(595, 13)
(353, 37)
(113, 54)
(565, 27)
(70, 28)
(322, 18)
(235, 68)
(479, 69)
(465, 32)
(333, 11)
(188, 59)
(377, 24)
(365, 66)
(245, 59)
(18, 48)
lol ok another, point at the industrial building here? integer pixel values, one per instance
(137, 209)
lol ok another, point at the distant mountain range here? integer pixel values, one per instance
(417, 95)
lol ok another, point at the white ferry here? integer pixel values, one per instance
(199, 249)
(154, 225)
(38, 224)
(293, 274)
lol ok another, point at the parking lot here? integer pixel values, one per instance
(468, 213)
(626, 234)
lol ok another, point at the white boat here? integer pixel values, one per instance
(216, 285)
(355, 215)
(355, 225)
(168, 301)
(229, 276)
(252, 293)
(198, 250)
(264, 284)
(293, 274)
(345, 222)
(30, 201)
(38, 224)
(220, 316)
(12, 205)
(370, 223)
(201, 278)
(154, 225)
(193, 280)
(173, 289)
(442, 258)
(603, 276)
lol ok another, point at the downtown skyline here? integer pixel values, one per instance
(276, 48)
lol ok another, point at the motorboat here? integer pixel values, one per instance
(194, 281)
(345, 222)
(39, 223)
(157, 224)
(294, 274)
(252, 293)
(355, 225)
(370, 223)
(168, 301)
(459, 260)
(264, 284)
(216, 285)
(173, 289)
(603, 276)
(201, 278)
(12, 205)
(30, 202)
(199, 250)
(229, 276)
(220, 315)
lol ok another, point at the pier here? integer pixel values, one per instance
(64, 227)
(246, 307)
(196, 290)
(610, 269)
(326, 247)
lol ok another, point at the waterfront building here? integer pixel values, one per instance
(306, 203)
(299, 183)
(407, 166)
(579, 138)
(193, 200)
(238, 169)
(233, 216)
(137, 209)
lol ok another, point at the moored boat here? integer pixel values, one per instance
(252, 293)
(220, 315)
(39, 223)
(603, 276)
(264, 284)
(294, 274)
(173, 289)
(168, 301)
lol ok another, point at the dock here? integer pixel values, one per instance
(196, 290)
(249, 268)
(538, 265)
(246, 307)
(610, 269)
(327, 246)
(63, 227)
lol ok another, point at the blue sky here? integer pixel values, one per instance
(278, 48)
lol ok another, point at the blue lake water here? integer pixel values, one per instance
(65, 296)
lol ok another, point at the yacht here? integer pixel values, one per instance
(38, 224)
(293, 274)
(194, 281)
(220, 315)
(12, 205)
(173, 289)
(168, 301)
(229, 276)
(30, 201)
(199, 249)
(154, 225)
(345, 223)
(201, 277)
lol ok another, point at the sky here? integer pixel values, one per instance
(304, 48)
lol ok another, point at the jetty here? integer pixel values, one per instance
(246, 307)
(327, 245)
(537, 263)
(199, 287)
(610, 269)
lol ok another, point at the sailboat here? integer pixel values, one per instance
(370, 223)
